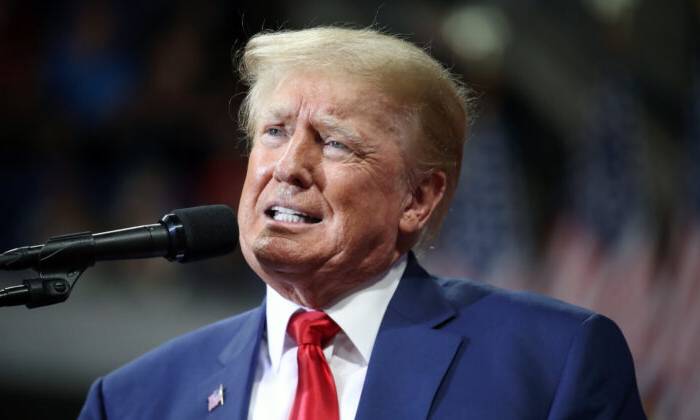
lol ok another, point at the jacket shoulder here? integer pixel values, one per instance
(542, 357)
(466, 296)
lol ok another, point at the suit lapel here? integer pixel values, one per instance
(411, 356)
(409, 361)
(238, 360)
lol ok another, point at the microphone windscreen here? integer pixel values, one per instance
(210, 231)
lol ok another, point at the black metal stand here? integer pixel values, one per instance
(57, 274)
(41, 291)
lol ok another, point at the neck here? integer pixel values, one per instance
(319, 291)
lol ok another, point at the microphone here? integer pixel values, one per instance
(183, 235)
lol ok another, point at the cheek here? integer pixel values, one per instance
(257, 177)
(258, 173)
(248, 195)
(371, 200)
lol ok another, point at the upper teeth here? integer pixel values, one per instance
(287, 215)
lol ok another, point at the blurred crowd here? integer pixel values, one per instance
(607, 216)
(114, 112)
(581, 178)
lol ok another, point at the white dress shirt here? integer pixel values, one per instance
(358, 315)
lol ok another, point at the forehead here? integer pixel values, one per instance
(327, 98)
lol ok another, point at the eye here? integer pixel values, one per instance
(273, 136)
(336, 144)
(273, 131)
(336, 150)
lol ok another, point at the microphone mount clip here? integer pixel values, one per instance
(57, 274)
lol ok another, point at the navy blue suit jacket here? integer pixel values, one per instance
(446, 349)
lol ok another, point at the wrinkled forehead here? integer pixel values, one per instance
(328, 99)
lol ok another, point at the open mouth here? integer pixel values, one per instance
(284, 214)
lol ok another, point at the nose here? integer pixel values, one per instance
(298, 160)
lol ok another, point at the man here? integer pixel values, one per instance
(356, 144)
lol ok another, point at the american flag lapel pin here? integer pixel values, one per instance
(216, 398)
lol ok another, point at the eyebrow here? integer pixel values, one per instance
(336, 125)
(281, 112)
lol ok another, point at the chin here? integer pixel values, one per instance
(283, 255)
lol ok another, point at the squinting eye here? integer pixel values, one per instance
(336, 150)
(274, 131)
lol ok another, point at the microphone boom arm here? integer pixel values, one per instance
(184, 235)
(57, 274)
(40, 291)
(62, 260)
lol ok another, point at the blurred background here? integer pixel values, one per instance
(581, 178)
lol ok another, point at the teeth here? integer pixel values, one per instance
(285, 210)
(284, 214)
(282, 217)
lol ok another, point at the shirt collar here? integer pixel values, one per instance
(358, 314)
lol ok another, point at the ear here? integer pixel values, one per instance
(423, 199)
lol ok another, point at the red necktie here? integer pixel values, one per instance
(316, 397)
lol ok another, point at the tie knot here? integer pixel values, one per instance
(313, 327)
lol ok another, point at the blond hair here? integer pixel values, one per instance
(435, 101)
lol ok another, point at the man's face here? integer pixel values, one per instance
(325, 188)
